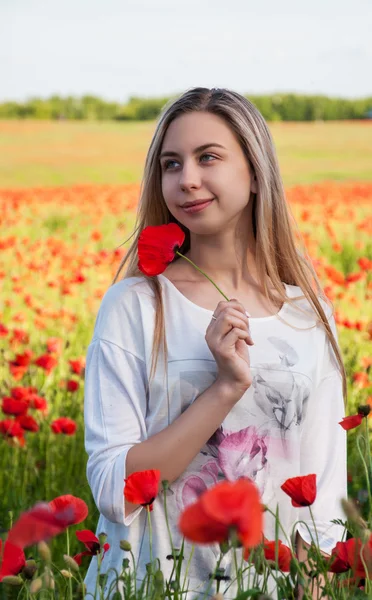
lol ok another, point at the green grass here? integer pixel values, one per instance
(48, 153)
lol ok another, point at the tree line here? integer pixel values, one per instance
(275, 107)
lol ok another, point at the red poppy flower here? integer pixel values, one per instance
(14, 407)
(18, 367)
(28, 423)
(54, 344)
(302, 490)
(23, 393)
(91, 542)
(39, 403)
(227, 505)
(80, 507)
(340, 560)
(284, 554)
(351, 422)
(64, 425)
(142, 487)
(12, 429)
(77, 366)
(46, 362)
(3, 330)
(12, 559)
(157, 246)
(42, 522)
(72, 385)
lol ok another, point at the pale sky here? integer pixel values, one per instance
(118, 48)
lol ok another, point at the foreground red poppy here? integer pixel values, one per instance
(157, 247)
(351, 422)
(302, 490)
(12, 559)
(62, 502)
(44, 521)
(347, 555)
(142, 487)
(92, 543)
(224, 507)
(284, 554)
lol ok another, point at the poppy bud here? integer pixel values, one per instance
(125, 545)
(36, 585)
(365, 536)
(66, 574)
(29, 569)
(364, 410)
(48, 580)
(12, 580)
(352, 513)
(81, 590)
(44, 551)
(70, 562)
(102, 538)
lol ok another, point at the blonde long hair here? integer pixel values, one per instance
(275, 229)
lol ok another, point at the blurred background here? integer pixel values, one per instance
(82, 84)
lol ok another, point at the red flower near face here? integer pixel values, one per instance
(46, 362)
(64, 425)
(351, 422)
(91, 542)
(42, 522)
(157, 246)
(14, 407)
(12, 559)
(142, 487)
(227, 505)
(302, 490)
(62, 502)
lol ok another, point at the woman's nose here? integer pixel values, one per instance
(189, 176)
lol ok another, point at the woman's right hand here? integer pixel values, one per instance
(228, 337)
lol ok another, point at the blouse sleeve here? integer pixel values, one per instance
(323, 452)
(114, 404)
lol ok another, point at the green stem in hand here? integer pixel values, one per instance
(202, 272)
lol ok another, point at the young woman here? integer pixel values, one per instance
(180, 380)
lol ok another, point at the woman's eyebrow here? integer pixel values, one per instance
(198, 149)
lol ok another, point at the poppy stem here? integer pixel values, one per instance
(205, 275)
(237, 572)
(68, 554)
(366, 441)
(150, 541)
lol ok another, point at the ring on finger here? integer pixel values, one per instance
(213, 317)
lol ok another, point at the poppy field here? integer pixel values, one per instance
(60, 247)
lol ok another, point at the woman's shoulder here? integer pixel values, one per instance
(123, 306)
(121, 290)
(299, 302)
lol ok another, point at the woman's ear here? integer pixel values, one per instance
(254, 186)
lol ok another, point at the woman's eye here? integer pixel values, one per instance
(168, 162)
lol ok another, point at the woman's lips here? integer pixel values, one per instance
(197, 207)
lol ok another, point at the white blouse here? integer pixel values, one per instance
(285, 425)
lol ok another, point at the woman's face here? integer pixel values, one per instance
(218, 171)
